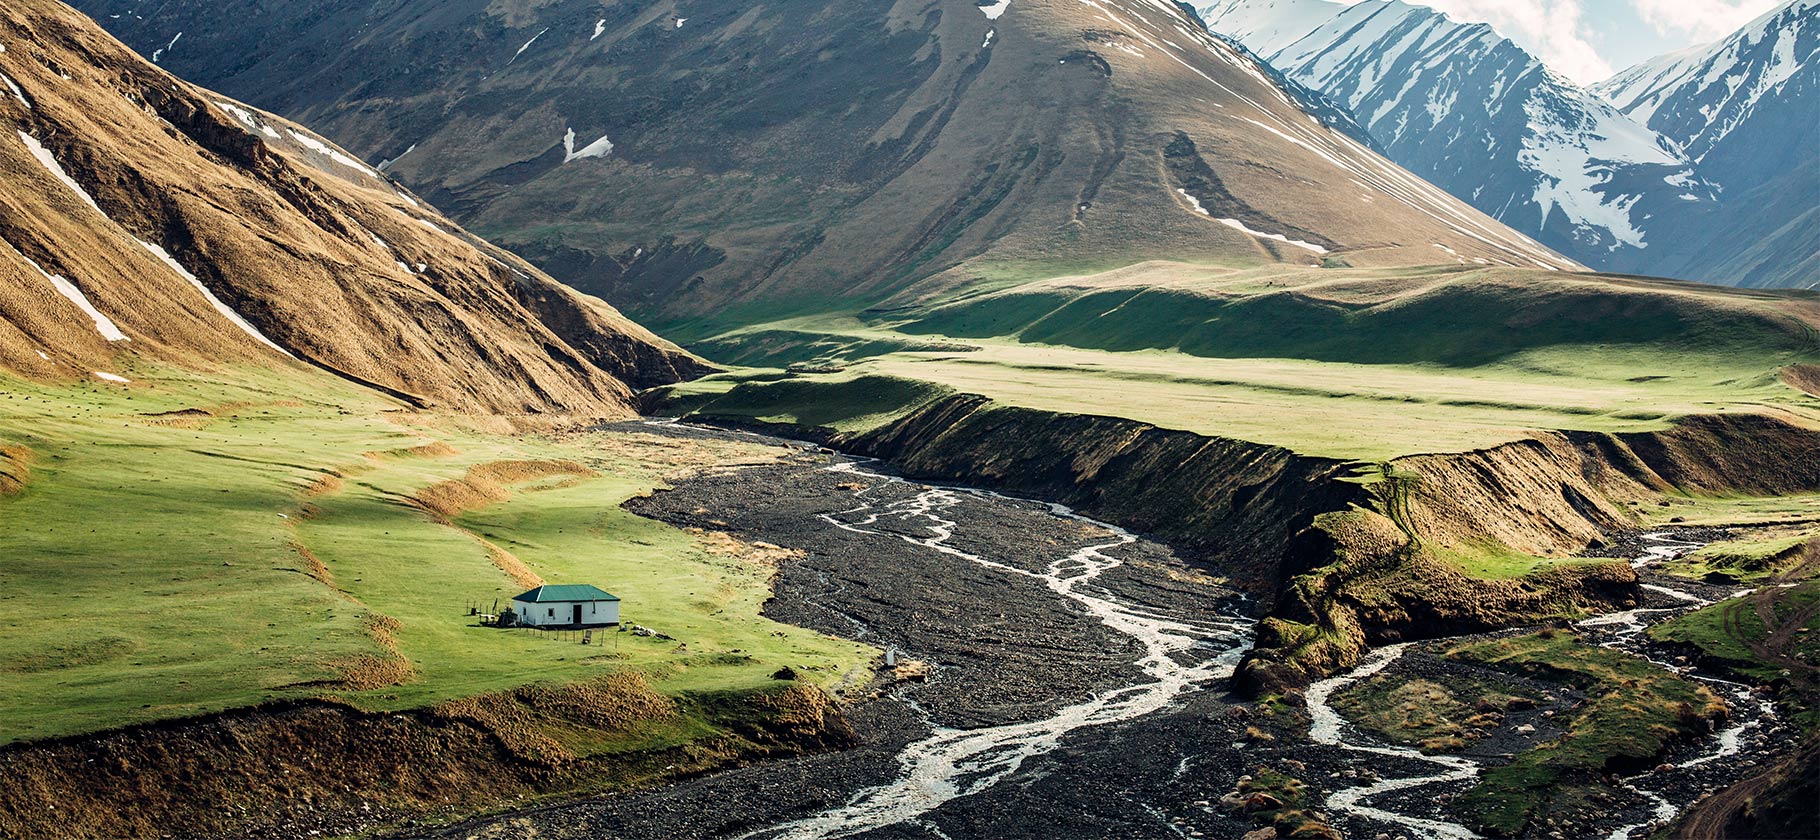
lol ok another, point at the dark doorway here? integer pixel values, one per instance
(577, 615)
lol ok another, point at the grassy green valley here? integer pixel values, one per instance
(1354, 365)
(991, 419)
(196, 542)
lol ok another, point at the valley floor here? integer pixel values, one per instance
(1002, 652)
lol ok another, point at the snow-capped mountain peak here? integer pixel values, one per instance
(1479, 116)
(1700, 95)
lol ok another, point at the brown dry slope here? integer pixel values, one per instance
(677, 156)
(142, 215)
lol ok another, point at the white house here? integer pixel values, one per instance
(569, 605)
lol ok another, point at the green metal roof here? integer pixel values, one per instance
(566, 592)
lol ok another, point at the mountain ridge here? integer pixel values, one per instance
(1583, 174)
(1483, 118)
(189, 229)
(1033, 140)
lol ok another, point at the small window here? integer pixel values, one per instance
(552, 612)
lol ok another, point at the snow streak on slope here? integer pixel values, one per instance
(68, 290)
(1266, 26)
(50, 163)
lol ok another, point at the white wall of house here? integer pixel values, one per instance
(563, 612)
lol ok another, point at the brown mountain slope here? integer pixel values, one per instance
(681, 156)
(142, 215)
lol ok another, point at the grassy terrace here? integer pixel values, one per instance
(266, 541)
(1354, 365)
(1362, 366)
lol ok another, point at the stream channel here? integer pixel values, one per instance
(1076, 683)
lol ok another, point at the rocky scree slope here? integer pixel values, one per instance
(680, 158)
(144, 221)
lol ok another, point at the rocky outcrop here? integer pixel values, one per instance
(1370, 577)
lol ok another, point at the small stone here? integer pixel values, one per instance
(1265, 833)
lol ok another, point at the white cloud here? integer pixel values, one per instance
(1707, 20)
(1554, 30)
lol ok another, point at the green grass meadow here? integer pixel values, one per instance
(158, 566)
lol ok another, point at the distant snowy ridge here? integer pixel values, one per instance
(1479, 116)
(1699, 96)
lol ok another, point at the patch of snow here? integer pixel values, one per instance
(387, 163)
(103, 324)
(993, 11)
(225, 310)
(112, 377)
(1574, 163)
(599, 27)
(431, 225)
(680, 21)
(1238, 225)
(597, 149)
(16, 91)
(988, 42)
(330, 152)
(41, 353)
(1194, 203)
(521, 50)
(422, 267)
(159, 52)
(243, 115)
(1267, 27)
(49, 161)
(247, 119)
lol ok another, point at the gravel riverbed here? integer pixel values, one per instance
(1007, 601)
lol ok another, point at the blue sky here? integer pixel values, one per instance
(1589, 40)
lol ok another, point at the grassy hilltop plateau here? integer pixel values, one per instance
(271, 423)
